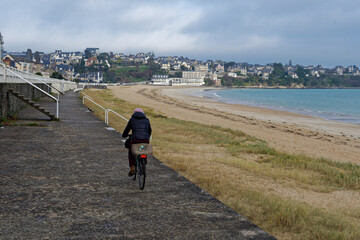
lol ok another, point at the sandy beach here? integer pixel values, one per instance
(285, 131)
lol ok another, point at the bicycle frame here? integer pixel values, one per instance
(140, 170)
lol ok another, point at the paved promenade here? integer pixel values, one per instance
(68, 180)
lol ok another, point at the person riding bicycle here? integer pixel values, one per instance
(140, 126)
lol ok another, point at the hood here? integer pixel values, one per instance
(138, 115)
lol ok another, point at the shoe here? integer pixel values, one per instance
(132, 171)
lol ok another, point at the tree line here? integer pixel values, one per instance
(280, 77)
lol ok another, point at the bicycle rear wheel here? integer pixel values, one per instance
(141, 172)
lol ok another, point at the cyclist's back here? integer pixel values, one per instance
(140, 126)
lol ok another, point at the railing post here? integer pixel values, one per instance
(57, 109)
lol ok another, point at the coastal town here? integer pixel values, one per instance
(94, 66)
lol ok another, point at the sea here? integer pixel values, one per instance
(341, 105)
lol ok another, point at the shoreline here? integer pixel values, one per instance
(328, 116)
(285, 131)
(275, 87)
(267, 114)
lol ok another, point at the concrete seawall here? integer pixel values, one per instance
(11, 78)
(10, 105)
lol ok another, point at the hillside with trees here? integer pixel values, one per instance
(281, 78)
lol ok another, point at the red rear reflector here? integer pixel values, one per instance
(143, 156)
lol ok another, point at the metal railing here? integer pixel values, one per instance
(107, 111)
(88, 98)
(58, 91)
(28, 76)
(33, 85)
(107, 115)
(64, 85)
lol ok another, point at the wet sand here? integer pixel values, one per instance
(285, 131)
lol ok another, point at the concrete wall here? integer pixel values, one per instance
(10, 105)
(67, 86)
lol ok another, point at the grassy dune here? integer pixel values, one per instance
(268, 187)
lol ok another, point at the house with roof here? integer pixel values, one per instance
(8, 60)
(265, 73)
(339, 70)
(91, 61)
(219, 68)
(165, 65)
(176, 66)
(201, 68)
(66, 70)
(185, 64)
(93, 51)
(19, 61)
(93, 77)
(293, 75)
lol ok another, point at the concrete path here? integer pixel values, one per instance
(68, 180)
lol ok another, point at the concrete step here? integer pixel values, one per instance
(33, 104)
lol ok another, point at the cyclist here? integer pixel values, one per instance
(140, 126)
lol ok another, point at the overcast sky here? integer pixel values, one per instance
(309, 32)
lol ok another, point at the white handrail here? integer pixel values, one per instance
(38, 79)
(83, 92)
(106, 110)
(49, 95)
(88, 98)
(107, 115)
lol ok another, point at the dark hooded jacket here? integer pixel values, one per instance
(140, 126)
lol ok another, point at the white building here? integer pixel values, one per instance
(192, 78)
(243, 71)
(189, 78)
(232, 74)
(175, 81)
(160, 80)
(201, 68)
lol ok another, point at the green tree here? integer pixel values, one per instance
(110, 75)
(87, 54)
(102, 57)
(209, 82)
(227, 81)
(183, 68)
(152, 65)
(302, 78)
(228, 64)
(57, 75)
(278, 76)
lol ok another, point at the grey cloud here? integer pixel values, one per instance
(309, 32)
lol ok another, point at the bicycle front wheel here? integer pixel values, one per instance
(141, 170)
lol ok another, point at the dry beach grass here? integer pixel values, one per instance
(290, 195)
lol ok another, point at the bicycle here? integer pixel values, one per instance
(140, 170)
(140, 151)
